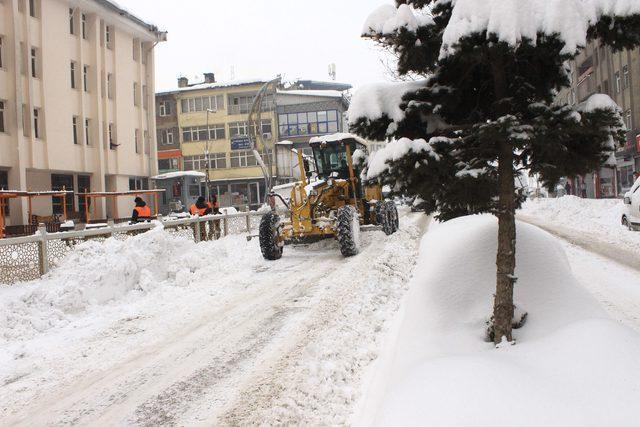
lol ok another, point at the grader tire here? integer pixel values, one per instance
(348, 231)
(269, 233)
(383, 218)
(394, 219)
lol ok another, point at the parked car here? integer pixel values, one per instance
(631, 215)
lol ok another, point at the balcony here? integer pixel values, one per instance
(245, 108)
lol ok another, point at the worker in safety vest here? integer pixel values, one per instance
(214, 205)
(200, 207)
(141, 212)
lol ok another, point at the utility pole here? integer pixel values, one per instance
(207, 159)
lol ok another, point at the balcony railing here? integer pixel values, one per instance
(245, 108)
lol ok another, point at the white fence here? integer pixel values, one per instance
(29, 257)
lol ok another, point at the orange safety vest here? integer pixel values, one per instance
(215, 205)
(194, 210)
(143, 211)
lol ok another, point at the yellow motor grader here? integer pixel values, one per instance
(336, 204)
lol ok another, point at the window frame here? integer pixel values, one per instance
(87, 132)
(34, 62)
(72, 69)
(85, 78)
(83, 25)
(74, 130)
(36, 123)
(2, 118)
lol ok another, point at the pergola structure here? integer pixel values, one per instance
(5, 195)
(114, 199)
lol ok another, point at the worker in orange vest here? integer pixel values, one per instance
(214, 205)
(200, 207)
(141, 212)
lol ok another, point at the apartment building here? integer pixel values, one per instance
(76, 77)
(599, 70)
(213, 116)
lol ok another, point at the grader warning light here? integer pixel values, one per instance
(337, 204)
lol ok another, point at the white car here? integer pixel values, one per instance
(631, 215)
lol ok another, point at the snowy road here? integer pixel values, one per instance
(276, 342)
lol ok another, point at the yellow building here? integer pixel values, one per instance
(215, 114)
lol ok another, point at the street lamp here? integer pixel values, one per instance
(206, 157)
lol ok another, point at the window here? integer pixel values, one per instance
(605, 86)
(191, 105)
(73, 75)
(627, 120)
(33, 8)
(238, 128)
(84, 26)
(112, 141)
(143, 53)
(146, 142)
(87, 132)
(34, 62)
(168, 164)
(2, 117)
(74, 124)
(310, 123)
(243, 159)
(1, 52)
(85, 78)
(136, 183)
(72, 24)
(62, 183)
(617, 77)
(136, 139)
(136, 49)
(108, 37)
(110, 85)
(166, 136)
(216, 161)
(164, 108)
(84, 186)
(135, 94)
(36, 123)
(625, 76)
(199, 133)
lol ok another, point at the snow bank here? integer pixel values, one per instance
(97, 273)
(599, 219)
(571, 365)
(515, 20)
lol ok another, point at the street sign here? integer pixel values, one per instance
(240, 143)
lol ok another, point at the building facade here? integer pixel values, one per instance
(599, 70)
(213, 116)
(76, 78)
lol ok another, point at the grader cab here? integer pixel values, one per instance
(336, 204)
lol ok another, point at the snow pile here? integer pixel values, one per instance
(388, 19)
(395, 150)
(97, 273)
(571, 364)
(515, 20)
(375, 100)
(596, 220)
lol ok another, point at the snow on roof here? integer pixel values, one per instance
(513, 20)
(216, 85)
(336, 137)
(388, 19)
(178, 174)
(124, 12)
(374, 100)
(325, 93)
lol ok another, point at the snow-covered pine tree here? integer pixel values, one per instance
(484, 108)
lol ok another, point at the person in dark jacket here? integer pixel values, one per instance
(141, 212)
(200, 207)
(214, 205)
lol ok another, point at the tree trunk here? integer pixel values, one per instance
(506, 257)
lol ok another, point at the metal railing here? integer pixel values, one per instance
(30, 257)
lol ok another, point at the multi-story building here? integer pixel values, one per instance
(303, 114)
(76, 78)
(599, 70)
(214, 116)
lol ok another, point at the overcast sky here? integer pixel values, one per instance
(262, 38)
